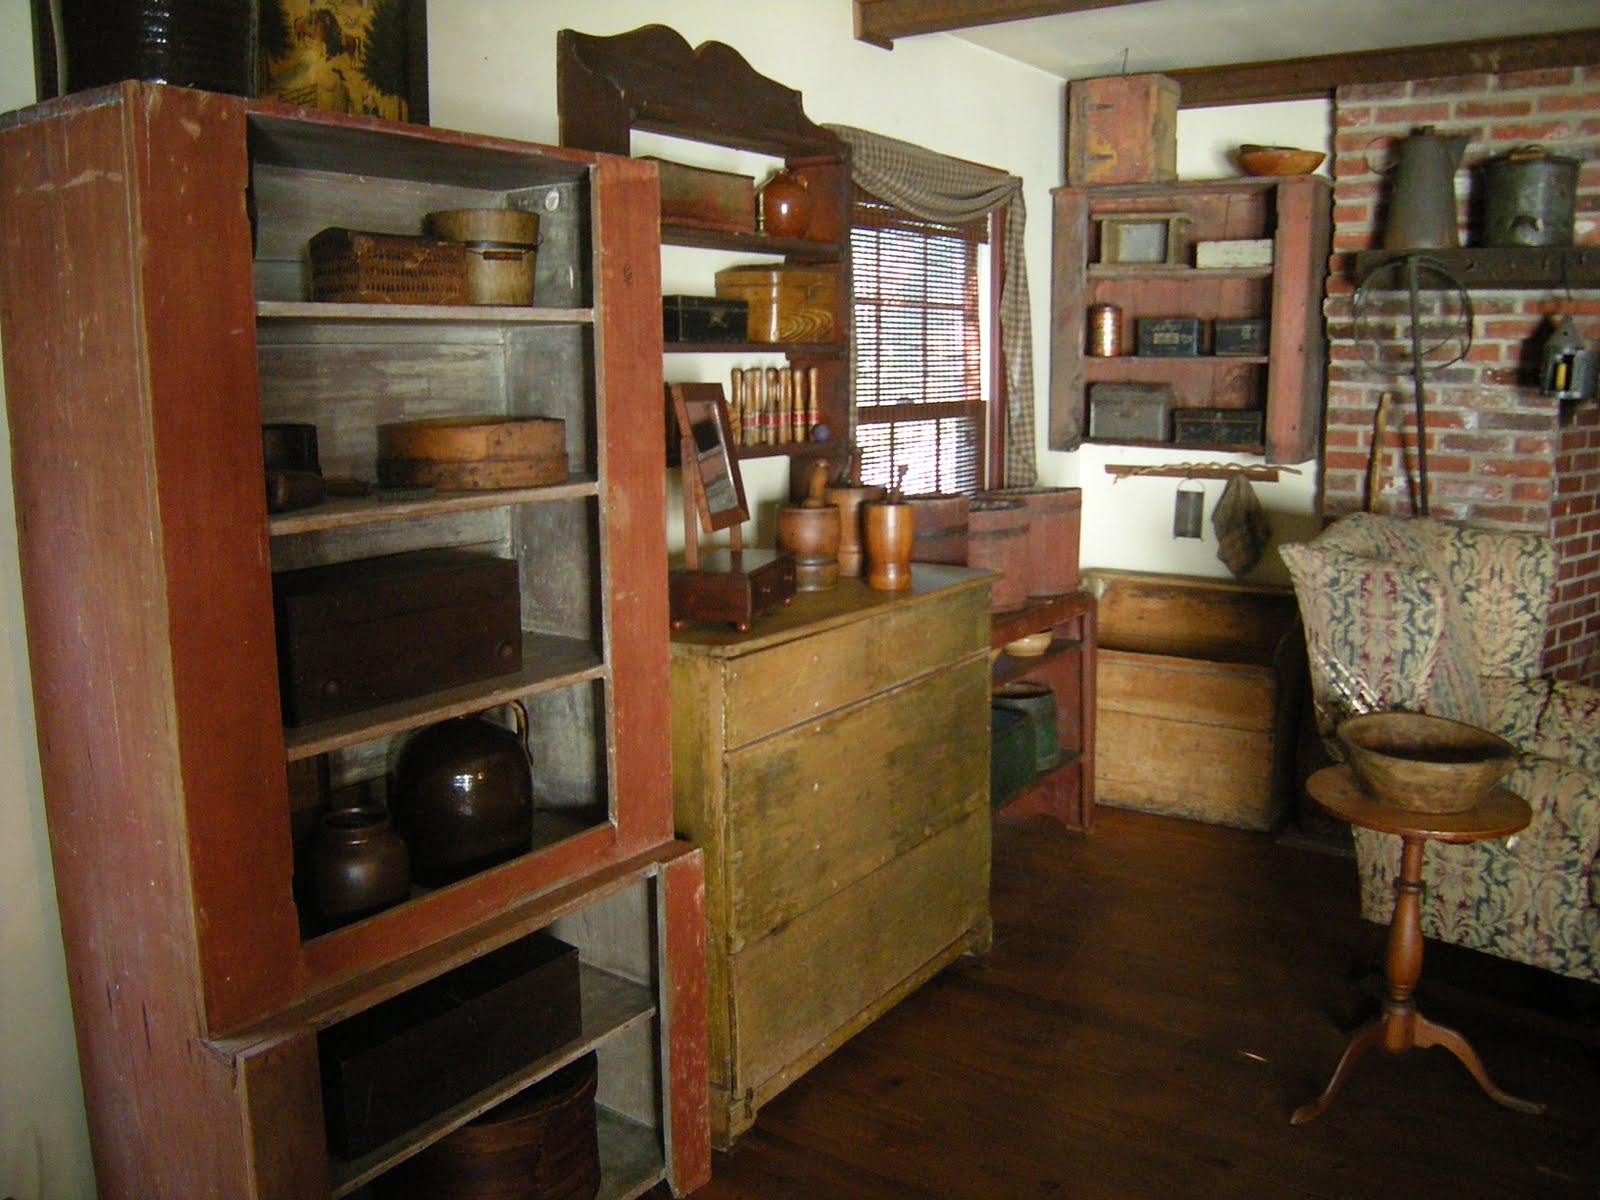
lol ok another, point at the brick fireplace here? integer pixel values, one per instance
(1498, 451)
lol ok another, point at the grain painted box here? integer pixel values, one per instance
(355, 634)
(1218, 426)
(704, 319)
(392, 1067)
(1199, 684)
(1139, 412)
(710, 199)
(1122, 129)
(788, 302)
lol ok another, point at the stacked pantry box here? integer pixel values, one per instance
(1199, 690)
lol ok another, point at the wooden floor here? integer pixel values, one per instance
(1160, 996)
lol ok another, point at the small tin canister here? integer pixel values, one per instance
(1105, 330)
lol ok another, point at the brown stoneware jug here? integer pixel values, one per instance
(462, 795)
(360, 864)
(785, 206)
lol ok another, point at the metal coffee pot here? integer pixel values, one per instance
(1422, 194)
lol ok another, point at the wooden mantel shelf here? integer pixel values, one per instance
(1497, 266)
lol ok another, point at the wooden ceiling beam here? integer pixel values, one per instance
(1317, 76)
(881, 21)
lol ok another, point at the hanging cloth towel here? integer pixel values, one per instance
(1240, 524)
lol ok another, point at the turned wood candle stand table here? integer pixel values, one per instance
(1401, 1026)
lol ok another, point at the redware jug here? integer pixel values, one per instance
(785, 206)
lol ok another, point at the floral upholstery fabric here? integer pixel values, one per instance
(1428, 616)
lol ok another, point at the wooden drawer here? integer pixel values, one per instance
(859, 786)
(804, 678)
(796, 995)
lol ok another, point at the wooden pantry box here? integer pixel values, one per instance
(1198, 689)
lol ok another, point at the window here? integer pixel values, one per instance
(921, 299)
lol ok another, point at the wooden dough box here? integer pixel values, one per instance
(1198, 688)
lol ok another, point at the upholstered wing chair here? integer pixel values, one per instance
(1436, 617)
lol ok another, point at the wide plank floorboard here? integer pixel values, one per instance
(1159, 998)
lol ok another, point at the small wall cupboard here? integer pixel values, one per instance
(833, 764)
(155, 314)
(650, 79)
(1284, 383)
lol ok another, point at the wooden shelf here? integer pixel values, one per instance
(793, 349)
(320, 312)
(651, 79)
(1285, 384)
(1111, 364)
(345, 512)
(548, 663)
(1165, 271)
(1065, 792)
(1488, 267)
(610, 1005)
(701, 238)
(1039, 613)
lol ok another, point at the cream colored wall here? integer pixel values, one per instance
(492, 71)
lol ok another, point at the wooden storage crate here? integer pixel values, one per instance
(1122, 129)
(1198, 688)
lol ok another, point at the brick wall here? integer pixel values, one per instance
(1498, 451)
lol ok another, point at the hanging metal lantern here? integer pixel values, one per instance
(1570, 369)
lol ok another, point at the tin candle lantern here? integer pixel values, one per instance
(1105, 330)
(1188, 509)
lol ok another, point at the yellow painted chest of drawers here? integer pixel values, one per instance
(833, 763)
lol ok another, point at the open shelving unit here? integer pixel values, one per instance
(651, 79)
(1284, 385)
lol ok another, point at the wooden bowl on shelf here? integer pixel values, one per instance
(1031, 646)
(1423, 763)
(1278, 160)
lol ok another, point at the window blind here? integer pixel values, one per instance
(919, 352)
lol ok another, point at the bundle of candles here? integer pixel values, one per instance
(773, 406)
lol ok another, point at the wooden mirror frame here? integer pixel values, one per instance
(710, 464)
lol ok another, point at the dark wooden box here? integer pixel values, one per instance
(1239, 336)
(1170, 337)
(730, 587)
(392, 1067)
(708, 199)
(1218, 426)
(704, 319)
(367, 632)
